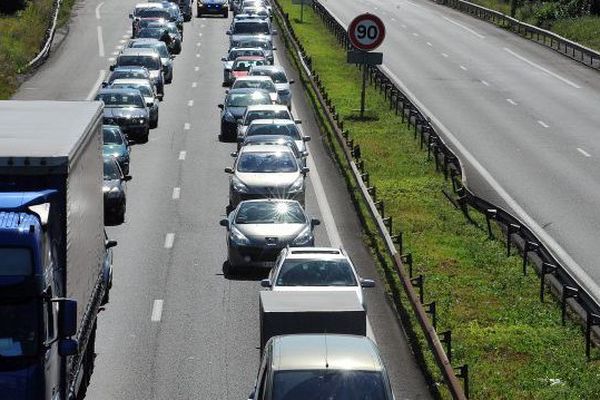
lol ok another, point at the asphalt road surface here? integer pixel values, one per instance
(176, 327)
(527, 115)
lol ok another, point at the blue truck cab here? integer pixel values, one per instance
(55, 260)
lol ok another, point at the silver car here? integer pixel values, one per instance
(234, 53)
(278, 127)
(147, 90)
(279, 77)
(316, 269)
(321, 366)
(257, 230)
(257, 82)
(266, 171)
(264, 111)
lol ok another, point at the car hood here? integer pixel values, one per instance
(213, 1)
(114, 149)
(259, 232)
(228, 64)
(166, 61)
(116, 112)
(111, 183)
(282, 86)
(237, 112)
(239, 74)
(268, 182)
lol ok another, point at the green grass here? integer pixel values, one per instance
(514, 345)
(584, 30)
(21, 37)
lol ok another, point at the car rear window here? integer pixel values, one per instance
(266, 114)
(143, 61)
(251, 27)
(311, 272)
(274, 129)
(267, 162)
(254, 84)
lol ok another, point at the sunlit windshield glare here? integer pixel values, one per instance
(111, 171)
(112, 136)
(267, 162)
(247, 99)
(270, 212)
(143, 61)
(268, 114)
(121, 100)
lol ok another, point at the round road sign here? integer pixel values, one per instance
(366, 32)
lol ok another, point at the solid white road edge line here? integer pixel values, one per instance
(582, 151)
(100, 42)
(560, 78)
(542, 123)
(479, 35)
(92, 92)
(169, 240)
(157, 309)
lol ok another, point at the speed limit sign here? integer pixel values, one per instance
(366, 32)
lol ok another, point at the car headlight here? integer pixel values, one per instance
(303, 238)
(238, 185)
(297, 186)
(141, 120)
(238, 237)
(111, 190)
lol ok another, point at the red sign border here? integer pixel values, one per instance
(356, 21)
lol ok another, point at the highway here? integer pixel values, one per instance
(521, 116)
(175, 326)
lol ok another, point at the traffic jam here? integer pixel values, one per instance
(314, 332)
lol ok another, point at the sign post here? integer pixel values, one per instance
(302, 3)
(366, 32)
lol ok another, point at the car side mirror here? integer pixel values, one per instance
(112, 67)
(228, 33)
(291, 81)
(223, 59)
(149, 104)
(130, 142)
(274, 48)
(127, 178)
(130, 16)
(305, 154)
(234, 154)
(67, 317)
(306, 138)
(228, 170)
(104, 84)
(266, 283)
(221, 106)
(367, 283)
(67, 347)
(226, 91)
(172, 57)
(315, 222)
(110, 243)
(224, 222)
(274, 32)
(298, 121)
(305, 170)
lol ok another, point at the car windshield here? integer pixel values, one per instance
(247, 99)
(245, 65)
(121, 100)
(274, 129)
(152, 33)
(15, 261)
(266, 114)
(329, 384)
(277, 141)
(154, 13)
(144, 90)
(112, 136)
(243, 53)
(160, 47)
(18, 330)
(270, 212)
(111, 170)
(276, 76)
(316, 273)
(268, 85)
(143, 61)
(269, 162)
(133, 74)
(252, 27)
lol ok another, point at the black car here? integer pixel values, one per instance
(213, 7)
(127, 109)
(234, 107)
(114, 190)
(186, 9)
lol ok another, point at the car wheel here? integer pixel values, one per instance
(145, 136)
(154, 123)
(231, 269)
(226, 14)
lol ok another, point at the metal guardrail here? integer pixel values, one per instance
(571, 49)
(434, 136)
(48, 38)
(384, 225)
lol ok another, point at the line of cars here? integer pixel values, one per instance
(267, 226)
(134, 89)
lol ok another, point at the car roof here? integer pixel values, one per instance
(132, 81)
(139, 51)
(276, 68)
(260, 37)
(317, 252)
(325, 352)
(145, 40)
(271, 200)
(267, 107)
(269, 139)
(253, 77)
(273, 122)
(266, 148)
(119, 91)
(247, 90)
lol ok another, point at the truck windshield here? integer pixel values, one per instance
(330, 385)
(15, 261)
(18, 330)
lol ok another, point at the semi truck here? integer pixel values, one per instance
(55, 258)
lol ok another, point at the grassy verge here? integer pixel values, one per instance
(514, 345)
(554, 17)
(21, 36)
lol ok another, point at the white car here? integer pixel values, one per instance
(257, 82)
(264, 111)
(280, 79)
(283, 127)
(315, 269)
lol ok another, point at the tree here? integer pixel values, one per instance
(11, 6)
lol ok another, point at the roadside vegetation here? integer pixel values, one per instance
(515, 346)
(577, 20)
(21, 37)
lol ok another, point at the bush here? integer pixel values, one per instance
(11, 6)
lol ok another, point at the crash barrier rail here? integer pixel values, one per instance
(553, 273)
(549, 39)
(384, 225)
(48, 38)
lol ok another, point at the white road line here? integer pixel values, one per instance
(194, 84)
(176, 193)
(582, 151)
(157, 311)
(111, 59)
(542, 123)
(115, 53)
(169, 240)
(191, 103)
(119, 47)
(197, 55)
(182, 155)
(444, 55)
(402, 25)
(511, 101)
(415, 34)
(198, 44)
(186, 126)
(126, 36)
(479, 35)
(393, 19)
(200, 34)
(429, 44)
(415, 5)
(100, 42)
(202, 26)
(122, 41)
(94, 89)
(196, 69)
(560, 78)
(98, 10)
(485, 83)
(463, 68)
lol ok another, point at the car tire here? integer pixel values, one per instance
(226, 14)
(145, 136)
(231, 269)
(153, 124)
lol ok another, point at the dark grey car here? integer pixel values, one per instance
(265, 42)
(114, 190)
(257, 230)
(126, 108)
(165, 57)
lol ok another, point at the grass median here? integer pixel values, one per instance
(21, 37)
(514, 345)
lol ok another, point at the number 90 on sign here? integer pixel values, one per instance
(366, 32)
